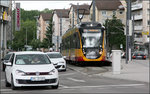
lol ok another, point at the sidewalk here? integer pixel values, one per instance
(131, 71)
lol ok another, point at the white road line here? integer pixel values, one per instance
(102, 86)
(2, 90)
(2, 80)
(76, 80)
(66, 74)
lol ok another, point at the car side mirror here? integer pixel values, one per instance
(64, 57)
(2, 59)
(8, 64)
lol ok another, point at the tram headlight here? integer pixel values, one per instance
(84, 51)
(100, 52)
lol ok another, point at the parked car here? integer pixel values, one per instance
(58, 60)
(139, 55)
(30, 69)
(5, 60)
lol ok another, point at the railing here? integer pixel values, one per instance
(137, 6)
(138, 27)
(138, 39)
(138, 17)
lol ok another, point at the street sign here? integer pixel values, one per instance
(145, 33)
(18, 17)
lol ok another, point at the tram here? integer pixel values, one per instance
(84, 43)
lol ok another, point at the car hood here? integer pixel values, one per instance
(57, 60)
(35, 68)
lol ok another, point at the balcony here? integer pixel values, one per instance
(138, 27)
(136, 6)
(138, 17)
(138, 39)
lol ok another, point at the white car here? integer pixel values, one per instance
(30, 69)
(57, 59)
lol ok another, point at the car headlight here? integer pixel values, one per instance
(61, 62)
(20, 73)
(52, 72)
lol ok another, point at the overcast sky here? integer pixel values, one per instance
(40, 5)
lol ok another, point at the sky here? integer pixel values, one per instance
(50, 4)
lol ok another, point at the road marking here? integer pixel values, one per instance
(2, 90)
(2, 80)
(103, 86)
(76, 80)
(66, 74)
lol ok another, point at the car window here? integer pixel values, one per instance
(56, 55)
(32, 59)
(12, 58)
(7, 57)
(139, 53)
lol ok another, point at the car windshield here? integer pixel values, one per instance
(32, 59)
(55, 55)
(7, 57)
(91, 39)
(139, 53)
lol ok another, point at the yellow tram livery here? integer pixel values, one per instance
(84, 43)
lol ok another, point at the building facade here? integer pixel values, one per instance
(5, 26)
(60, 26)
(141, 16)
(81, 10)
(43, 23)
(105, 9)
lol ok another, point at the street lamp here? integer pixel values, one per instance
(81, 13)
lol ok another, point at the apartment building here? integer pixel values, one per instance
(82, 10)
(43, 22)
(5, 26)
(141, 15)
(105, 9)
(61, 24)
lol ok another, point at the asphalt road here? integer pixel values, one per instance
(80, 80)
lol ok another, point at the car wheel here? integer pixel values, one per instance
(6, 82)
(12, 84)
(55, 87)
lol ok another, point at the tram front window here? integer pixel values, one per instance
(91, 39)
(92, 43)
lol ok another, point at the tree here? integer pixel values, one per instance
(46, 10)
(47, 42)
(19, 40)
(115, 33)
(35, 43)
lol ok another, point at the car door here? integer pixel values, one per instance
(9, 68)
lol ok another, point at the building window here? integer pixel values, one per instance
(104, 13)
(47, 22)
(148, 22)
(121, 12)
(114, 12)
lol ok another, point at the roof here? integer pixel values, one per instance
(107, 4)
(46, 16)
(29, 52)
(62, 13)
(53, 53)
(82, 8)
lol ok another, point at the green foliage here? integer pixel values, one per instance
(115, 33)
(28, 23)
(29, 15)
(35, 43)
(46, 10)
(19, 40)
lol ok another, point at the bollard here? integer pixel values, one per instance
(116, 61)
